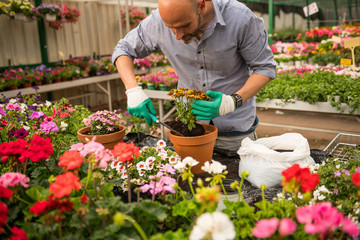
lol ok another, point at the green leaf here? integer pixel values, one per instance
(37, 193)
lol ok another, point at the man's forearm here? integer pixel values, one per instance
(125, 67)
(253, 85)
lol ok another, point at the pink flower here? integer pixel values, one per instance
(320, 218)
(11, 179)
(265, 228)
(287, 227)
(168, 169)
(350, 227)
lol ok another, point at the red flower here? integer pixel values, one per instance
(63, 205)
(39, 149)
(356, 179)
(3, 213)
(5, 192)
(296, 177)
(18, 234)
(40, 207)
(125, 152)
(84, 199)
(292, 172)
(64, 184)
(309, 181)
(70, 160)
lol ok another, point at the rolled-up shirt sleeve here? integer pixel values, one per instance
(254, 48)
(137, 43)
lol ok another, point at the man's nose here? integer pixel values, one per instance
(178, 33)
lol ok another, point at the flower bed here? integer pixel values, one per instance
(71, 70)
(312, 84)
(53, 187)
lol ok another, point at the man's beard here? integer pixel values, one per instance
(195, 32)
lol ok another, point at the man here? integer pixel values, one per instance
(219, 47)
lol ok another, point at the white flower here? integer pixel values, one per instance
(163, 154)
(161, 144)
(190, 161)
(215, 167)
(149, 166)
(27, 128)
(179, 166)
(141, 165)
(48, 103)
(150, 160)
(173, 160)
(337, 166)
(206, 167)
(216, 225)
(63, 126)
(13, 100)
(124, 186)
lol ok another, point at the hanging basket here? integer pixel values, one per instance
(21, 17)
(50, 17)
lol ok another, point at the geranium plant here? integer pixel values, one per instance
(71, 15)
(103, 122)
(135, 16)
(183, 103)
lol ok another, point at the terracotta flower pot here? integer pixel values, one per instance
(108, 140)
(201, 148)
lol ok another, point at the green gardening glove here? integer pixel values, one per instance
(221, 104)
(139, 104)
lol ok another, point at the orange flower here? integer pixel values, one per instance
(125, 152)
(64, 184)
(70, 160)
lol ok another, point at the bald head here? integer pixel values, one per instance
(185, 18)
(174, 11)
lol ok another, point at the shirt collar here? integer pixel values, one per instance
(218, 17)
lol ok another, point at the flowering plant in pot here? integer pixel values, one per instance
(71, 15)
(183, 103)
(135, 16)
(105, 126)
(24, 7)
(50, 9)
(199, 139)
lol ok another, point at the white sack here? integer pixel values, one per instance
(265, 164)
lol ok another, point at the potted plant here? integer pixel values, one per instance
(104, 125)
(70, 15)
(20, 10)
(199, 139)
(49, 11)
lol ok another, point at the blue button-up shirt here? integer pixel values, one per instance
(233, 46)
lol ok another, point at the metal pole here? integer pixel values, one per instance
(120, 20)
(89, 29)
(127, 17)
(335, 12)
(350, 12)
(293, 16)
(271, 19)
(42, 37)
(308, 15)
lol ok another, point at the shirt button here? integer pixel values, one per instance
(202, 67)
(204, 85)
(199, 52)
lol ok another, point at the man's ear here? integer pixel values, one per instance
(202, 5)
